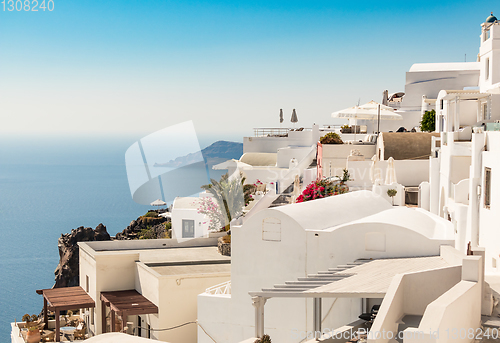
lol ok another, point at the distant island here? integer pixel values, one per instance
(213, 154)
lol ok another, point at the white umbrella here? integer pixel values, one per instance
(158, 202)
(368, 111)
(232, 164)
(375, 170)
(390, 174)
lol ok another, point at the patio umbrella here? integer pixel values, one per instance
(370, 111)
(375, 170)
(390, 174)
(158, 202)
(281, 116)
(294, 118)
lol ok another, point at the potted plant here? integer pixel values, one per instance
(392, 193)
(33, 335)
(331, 138)
(264, 339)
(345, 129)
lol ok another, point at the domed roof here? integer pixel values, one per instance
(491, 18)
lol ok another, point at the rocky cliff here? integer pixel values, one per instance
(67, 271)
(146, 227)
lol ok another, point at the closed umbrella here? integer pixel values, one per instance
(294, 118)
(281, 116)
(375, 170)
(390, 174)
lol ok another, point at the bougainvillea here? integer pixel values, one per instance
(321, 189)
(209, 207)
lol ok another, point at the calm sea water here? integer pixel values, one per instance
(48, 187)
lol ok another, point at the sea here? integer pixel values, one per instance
(49, 186)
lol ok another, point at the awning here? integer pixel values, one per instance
(125, 303)
(365, 278)
(64, 298)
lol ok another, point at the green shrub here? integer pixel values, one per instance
(428, 123)
(392, 192)
(151, 214)
(331, 138)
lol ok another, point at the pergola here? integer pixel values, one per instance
(124, 303)
(364, 278)
(61, 299)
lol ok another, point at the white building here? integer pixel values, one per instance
(187, 222)
(162, 273)
(293, 241)
(462, 177)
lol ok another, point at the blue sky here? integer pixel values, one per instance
(132, 67)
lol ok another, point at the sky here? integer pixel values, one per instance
(98, 68)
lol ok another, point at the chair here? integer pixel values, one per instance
(47, 336)
(370, 316)
(79, 333)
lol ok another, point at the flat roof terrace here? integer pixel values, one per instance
(150, 244)
(198, 269)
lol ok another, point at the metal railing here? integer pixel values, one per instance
(270, 131)
(223, 288)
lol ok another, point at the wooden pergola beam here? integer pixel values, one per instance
(61, 299)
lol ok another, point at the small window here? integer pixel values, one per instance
(486, 35)
(271, 229)
(441, 104)
(487, 187)
(139, 326)
(87, 283)
(149, 331)
(487, 69)
(187, 228)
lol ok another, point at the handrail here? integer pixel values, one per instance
(223, 288)
(283, 184)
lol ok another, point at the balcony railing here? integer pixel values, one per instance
(270, 131)
(223, 288)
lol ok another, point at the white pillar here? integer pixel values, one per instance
(258, 303)
(477, 145)
(317, 317)
(435, 184)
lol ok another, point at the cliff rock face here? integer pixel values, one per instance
(145, 227)
(67, 271)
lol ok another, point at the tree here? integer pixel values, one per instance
(392, 193)
(228, 193)
(428, 123)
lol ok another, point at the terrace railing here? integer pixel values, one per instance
(270, 131)
(223, 288)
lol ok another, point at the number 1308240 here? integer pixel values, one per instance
(27, 5)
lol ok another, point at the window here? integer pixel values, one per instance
(87, 283)
(441, 104)
(486, 35)
(487, 69)
(485, 112)
(487, 187)
(149, 331)
(187, 228)
(271, 229)
(139, 326)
